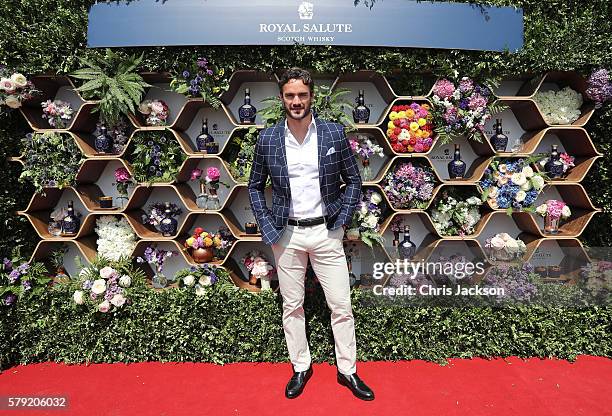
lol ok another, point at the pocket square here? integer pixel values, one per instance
(330, 151)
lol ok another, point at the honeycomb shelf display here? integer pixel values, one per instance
(522, 121)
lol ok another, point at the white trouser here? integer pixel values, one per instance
(328, 261)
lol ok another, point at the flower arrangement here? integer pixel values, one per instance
(104, 285)
(123, 180)
(409, 186)
(462, 108)
(116, 239)
(364, 148)
(410, 129)
(456, 215)
(15, 88)
(503, 247)
(155, 157)
(565, 158)
(559, 107)
(555, 209)
(19, 278)
(199, 277)
(367, 217)
(203, 239)
(156, 258)
(213, 174)
(517, 282)
(201, 79)
(596, 279)
(50, 160)
(259, 268)
(511, 184)
(58, 113)
(156, 213)
(157, 112)
(599, 87)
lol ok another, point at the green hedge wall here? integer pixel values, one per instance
(235, 325)
(47, 36)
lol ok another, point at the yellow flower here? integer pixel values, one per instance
(393, 115)
(410, 148)
(414, 126)
(410, 113)
(208, 242)
(390, 125)
(389, 132)
(190, 241)
(425, 134)
(418, 133)
(401, 114)
(422, 122)
(217, 242)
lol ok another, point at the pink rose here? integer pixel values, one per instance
(196, 174)
(157, 107)
(213, 174)
(418, 147)
(122, 175)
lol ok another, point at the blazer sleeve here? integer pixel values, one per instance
(350, 174)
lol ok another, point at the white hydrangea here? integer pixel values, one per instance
(559, 107)
(116, 238)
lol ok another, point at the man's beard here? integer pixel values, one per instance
(290, 115)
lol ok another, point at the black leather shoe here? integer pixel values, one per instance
(296, 384)
(356, 385)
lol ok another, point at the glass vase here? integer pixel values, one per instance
(213, 200)
(551, 224)
(121, 201)
(367, 170)
(159, 280)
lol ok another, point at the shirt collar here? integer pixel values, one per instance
(312, 125)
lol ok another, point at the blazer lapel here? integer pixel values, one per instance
(281, 153)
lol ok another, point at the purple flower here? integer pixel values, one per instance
(209, 71)
(13, 276)
(599, 87)
(10, 299)
(202, 62)
(7, 264)
(27, 285)
(87, 284)
(186, 74)
(23, 268)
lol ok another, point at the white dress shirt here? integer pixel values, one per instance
(303, 167)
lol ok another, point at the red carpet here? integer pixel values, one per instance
(463, 387)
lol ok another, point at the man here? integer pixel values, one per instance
(305, 158)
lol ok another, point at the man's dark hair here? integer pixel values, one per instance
(296, 73)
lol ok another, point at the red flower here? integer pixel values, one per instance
(397, 131)
(426, 147)
(412, 141)
(397, 122)
(397, 147)
(393, 138)
(198, 231)
(394, 108)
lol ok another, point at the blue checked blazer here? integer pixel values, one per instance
(270, 159)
